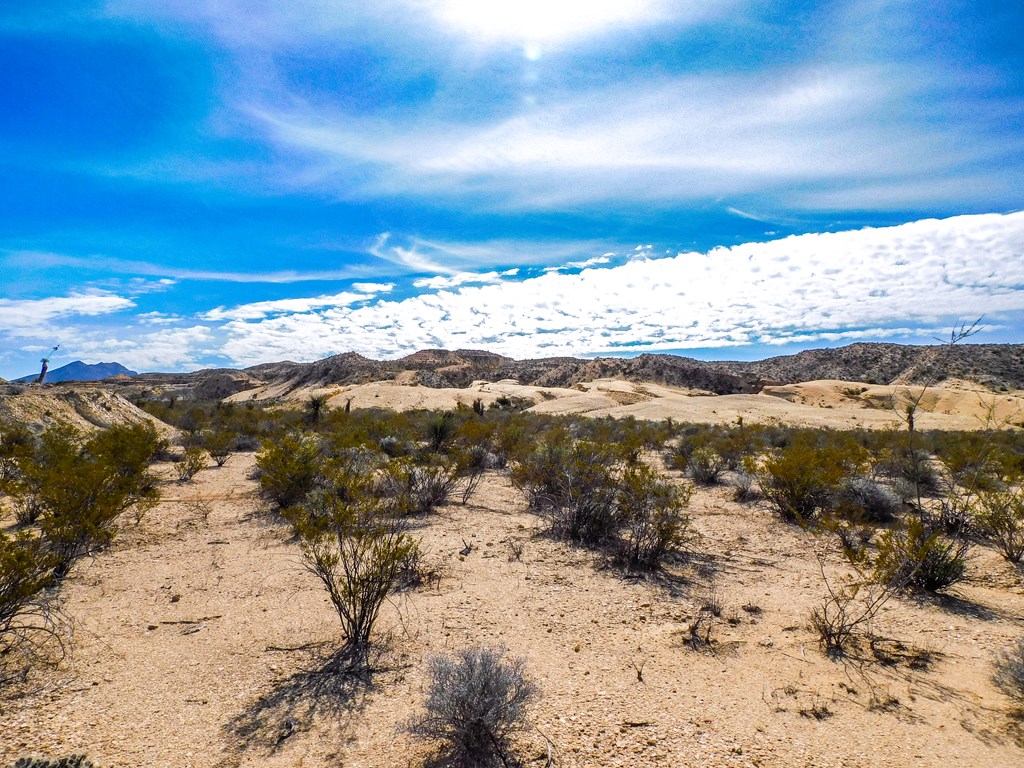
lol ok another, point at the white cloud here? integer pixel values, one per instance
(820, 286)
(22, 317)
(460, 278)
(373, 287)
(595, 261)
(171, 275)
(164, 350)
(260, 309)
(682, 138)
(548, 21)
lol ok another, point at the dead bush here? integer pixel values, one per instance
(476, 701)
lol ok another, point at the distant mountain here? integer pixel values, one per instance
(997, 366)
(79, 371)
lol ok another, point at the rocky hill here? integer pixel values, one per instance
(997, 366)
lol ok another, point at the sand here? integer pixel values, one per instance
(836, 404)
(197, 637)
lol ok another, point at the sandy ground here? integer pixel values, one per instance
(198, 638)
(837, 404)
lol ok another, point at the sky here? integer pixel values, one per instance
(228, 182)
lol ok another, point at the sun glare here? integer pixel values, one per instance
(543, 21)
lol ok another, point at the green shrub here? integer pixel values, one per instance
(999, 515)
(705, 466)
(475, 702)
(651, 519)
(83, 487)
(219, 443)
(288, 468)
(191, 463)
(915, 556)
(802, 479)
(356, 545)
(26, 571)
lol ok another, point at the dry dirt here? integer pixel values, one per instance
(198, 637)
(837, 404)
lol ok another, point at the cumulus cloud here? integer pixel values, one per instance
(866, 283)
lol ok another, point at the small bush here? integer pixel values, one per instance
(420, 487)
(802, 478)
(355, 545)
(191, 463)
(745, 487)
(651, 517)
(475, 702)
(862, 498)
(288, 468)
(219, 443)
(1000, 517)
(1009, 674)
(917, 557)
(26, 615)
(705, 466)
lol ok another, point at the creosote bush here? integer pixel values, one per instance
(801, 479)
(81, 486)
(193, 461)
(915, 556)
(999, 515)
(355, 542)
(652, 521)
(289, 467)
(476, 701)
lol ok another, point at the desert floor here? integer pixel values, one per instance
(199, 637)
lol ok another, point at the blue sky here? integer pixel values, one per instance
(227, 182)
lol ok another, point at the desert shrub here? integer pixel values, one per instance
(745, 486)
(356, 545)
(801, 479)
(862, 498)
(191, 463)
(705, 466)
(219, 443)
(72, 761)
(420, 487)
(27, 615)
(913, 468)
(83, 486)
(999, 515)
(288, 468)
(475, 702)
(1009, 673)
(16, 443)
(651, 517)
(578, 493)
(915, 556)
